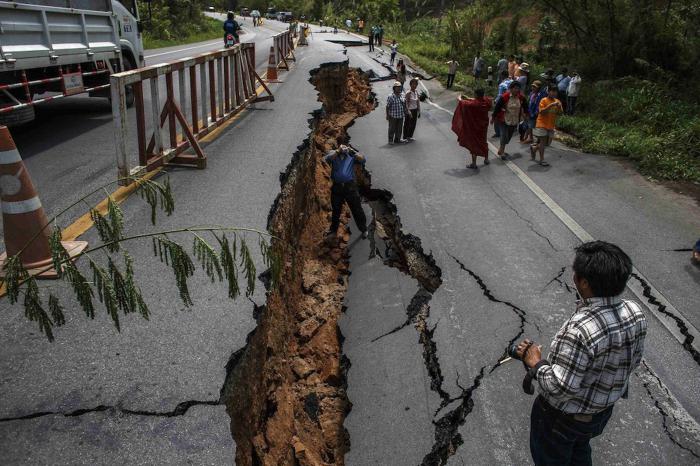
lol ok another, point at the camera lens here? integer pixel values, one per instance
(512, 351)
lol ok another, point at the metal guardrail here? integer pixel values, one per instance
(212, 88)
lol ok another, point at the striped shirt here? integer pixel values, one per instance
(396, 105)
(593, 355)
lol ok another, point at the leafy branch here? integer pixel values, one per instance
(115, 286)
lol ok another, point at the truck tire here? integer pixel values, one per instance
(17, 117)
(130, 98)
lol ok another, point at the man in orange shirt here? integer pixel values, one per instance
(550, 109)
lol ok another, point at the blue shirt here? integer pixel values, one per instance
(342, 168)
(503, 87)
(563, 83)
(534, 108)
(231, 27)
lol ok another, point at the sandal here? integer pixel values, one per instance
(543, 163)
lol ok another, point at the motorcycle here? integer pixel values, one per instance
(230, 40)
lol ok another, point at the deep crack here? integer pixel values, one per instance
(682, 327)
(558, 279)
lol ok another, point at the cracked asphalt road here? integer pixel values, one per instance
(503, 259)
(505, 262)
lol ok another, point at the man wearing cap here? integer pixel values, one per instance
(537, 93)
(396, 111)
(344, 189)
(522, 74)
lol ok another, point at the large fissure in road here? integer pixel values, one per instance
(286, 390)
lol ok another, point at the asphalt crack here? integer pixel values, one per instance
(521, 313)
(669, 419)
(180, 410)
(528, 222)
(562, 283)
(682, 327)
(447, 436)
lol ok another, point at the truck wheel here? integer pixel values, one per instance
(17, 117)
(130, 98)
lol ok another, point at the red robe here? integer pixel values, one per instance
(471, 123)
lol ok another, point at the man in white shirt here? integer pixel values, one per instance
(572, 93)
(413, 106)
(451, 72)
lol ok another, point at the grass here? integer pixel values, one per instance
(639, 120)
(211, 29)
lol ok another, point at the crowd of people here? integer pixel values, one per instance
(522, 104)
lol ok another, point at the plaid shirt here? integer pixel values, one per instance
(396, 105)
(593, 355)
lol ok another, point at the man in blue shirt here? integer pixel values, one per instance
(344, 189)
(563, 80)
(231, 27)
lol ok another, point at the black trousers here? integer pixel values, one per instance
(342, 193)
(557, 439)
(409, 124)
(371, 44)
(450, 80)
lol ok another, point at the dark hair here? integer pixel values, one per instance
(229, 15)
(514, 83)
(605, 267)
(479, 92)
(564, 70)
(504, 75)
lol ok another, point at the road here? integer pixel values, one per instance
(425, 395)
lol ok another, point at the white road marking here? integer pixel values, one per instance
(671, 325)
(208, 44)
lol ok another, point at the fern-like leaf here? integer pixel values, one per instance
(175, 256)
(228, 264)
(56, 311)
(34, 309)
(106, 292)
(246, 261)
(208, 258)
(15, 275)
(157, 196)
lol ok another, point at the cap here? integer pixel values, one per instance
(537, 84)
(524, 66)
(396, 84)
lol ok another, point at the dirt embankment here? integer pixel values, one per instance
(286, 394)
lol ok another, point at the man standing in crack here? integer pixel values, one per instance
(344, 188)
(590, 360)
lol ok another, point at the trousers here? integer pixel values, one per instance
(557, 439)
(395, 127)
(342, 193)
(409, 124)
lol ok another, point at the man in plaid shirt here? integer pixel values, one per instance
(590, 360)
(395, 112)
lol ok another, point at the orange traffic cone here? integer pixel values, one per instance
(272, 67)
(23, 216)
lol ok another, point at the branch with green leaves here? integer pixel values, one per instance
(223, 253)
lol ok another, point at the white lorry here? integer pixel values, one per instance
(51, 49)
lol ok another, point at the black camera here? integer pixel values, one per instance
(527, 381)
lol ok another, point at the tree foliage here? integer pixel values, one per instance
(112, 280)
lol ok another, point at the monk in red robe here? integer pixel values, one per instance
(471, 123)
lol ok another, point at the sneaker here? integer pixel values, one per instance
(405, 141)
(504, 156)
(365, 235)
(472, 166)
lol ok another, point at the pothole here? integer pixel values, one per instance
(286, 390)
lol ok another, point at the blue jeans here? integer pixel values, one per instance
(557, 439)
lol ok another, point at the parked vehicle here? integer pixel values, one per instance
(284, 16)
(271, 13)
(63, 48)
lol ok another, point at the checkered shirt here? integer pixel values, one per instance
(593, 355)
(396, 105)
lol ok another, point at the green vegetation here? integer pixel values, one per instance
(640, 120)
(175, 22)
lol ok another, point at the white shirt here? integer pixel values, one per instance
(412, 100)
(574, 86)
(453, 66)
